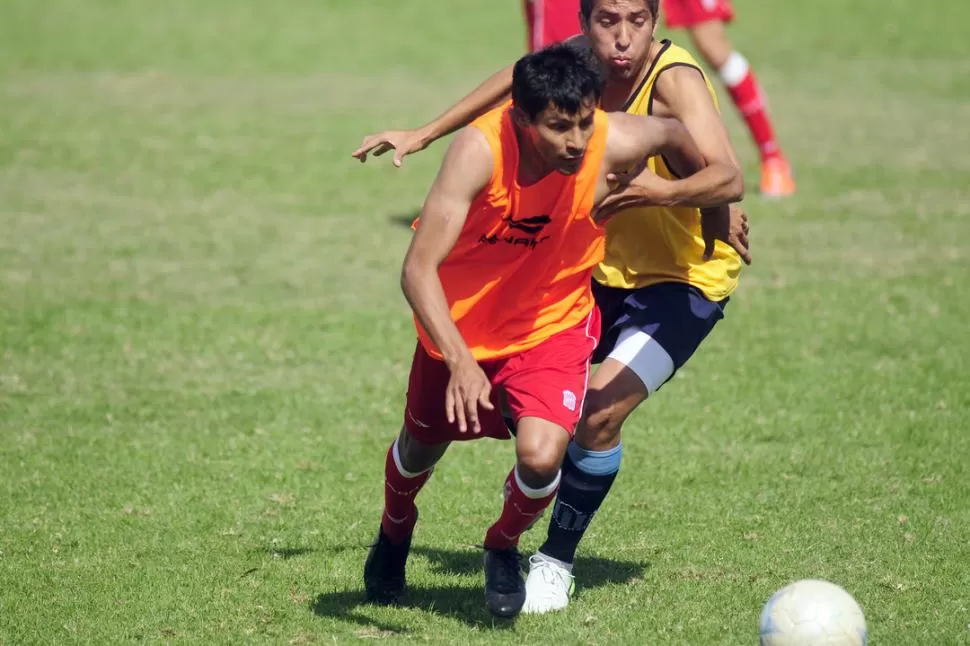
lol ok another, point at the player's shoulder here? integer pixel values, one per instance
(470, 145)
(470, 158)
(672, 54)
(680, 81)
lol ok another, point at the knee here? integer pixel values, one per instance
(602, 420)
(539, 464)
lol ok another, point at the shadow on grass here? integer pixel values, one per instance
(287, 553)
(404, 220)
(462, 603)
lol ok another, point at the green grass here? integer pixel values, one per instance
(203, 348)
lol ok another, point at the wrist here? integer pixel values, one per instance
(670, 193)
(427, 134)
(454, 357)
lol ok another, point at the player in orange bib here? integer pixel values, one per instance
(666, 277)
(498, 275)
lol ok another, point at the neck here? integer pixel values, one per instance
(531, 167)
(619, 91)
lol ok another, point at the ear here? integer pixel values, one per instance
(520, 118)
(583, 24)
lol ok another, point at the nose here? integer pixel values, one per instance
(623, 37)
(575, 145)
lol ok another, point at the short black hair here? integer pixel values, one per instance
(564, 75)
(586, 8)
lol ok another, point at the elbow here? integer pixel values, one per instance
(411, 273)
(408, 271)
(734, 187)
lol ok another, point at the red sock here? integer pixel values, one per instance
(748, 97)
(400, 489)
(522, 506)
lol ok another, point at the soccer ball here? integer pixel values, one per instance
(813, 613)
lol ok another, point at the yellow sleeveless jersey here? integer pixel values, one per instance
(646, 246)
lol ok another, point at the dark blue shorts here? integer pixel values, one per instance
(676, 315)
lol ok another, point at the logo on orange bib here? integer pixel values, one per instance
(531, 226)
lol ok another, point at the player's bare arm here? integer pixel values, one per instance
(704, 184)
(465, 170)
(681, 93)
(492, 91)
(631, 140)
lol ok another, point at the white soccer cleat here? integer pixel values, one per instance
(548, 586)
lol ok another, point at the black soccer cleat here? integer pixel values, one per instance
(504, 585)
(384, 570)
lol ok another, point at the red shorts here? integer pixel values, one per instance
(551, 21)
(547, 381)
(688, 13)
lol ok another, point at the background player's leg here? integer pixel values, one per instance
(591, 464)
(710, 39)
(593, 459)
(529, 488)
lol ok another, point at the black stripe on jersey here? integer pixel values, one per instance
(653, 89)
(633, 97)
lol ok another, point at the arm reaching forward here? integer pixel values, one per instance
(491, 92)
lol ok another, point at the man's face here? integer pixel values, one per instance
(561, 138)
(621, 32)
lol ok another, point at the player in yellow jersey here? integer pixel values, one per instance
(665, 280)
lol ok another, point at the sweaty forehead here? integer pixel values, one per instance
(622, 6)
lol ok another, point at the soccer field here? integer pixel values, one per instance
(204, 347)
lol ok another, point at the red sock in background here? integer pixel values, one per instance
(522, 506)
(748, 97)
(400, 489)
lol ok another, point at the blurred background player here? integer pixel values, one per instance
(705, 21)
(551, 21)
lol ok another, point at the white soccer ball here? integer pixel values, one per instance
(813, 613)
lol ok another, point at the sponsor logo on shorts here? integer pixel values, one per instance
(569, 400)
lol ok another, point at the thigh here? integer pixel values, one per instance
(424, 414)
(549, 381)
(689, 13)
(662, 327)
(611, 302)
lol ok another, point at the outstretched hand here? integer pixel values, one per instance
(402, 142)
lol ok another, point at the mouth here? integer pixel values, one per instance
(571, 164)
(621, 62)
